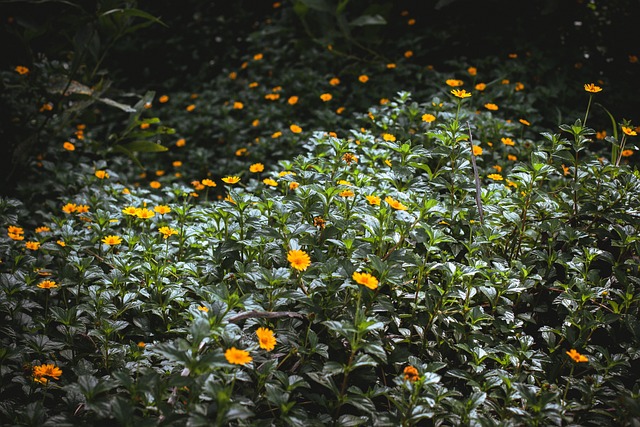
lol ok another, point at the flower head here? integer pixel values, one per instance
(477, 150)
(495, 176)
(33, 246)
(47, 284)
(162, 209)
(373, 200)
(41, 372)
(395, 204)
(266, 339)
(388, 137)
(112, 240)
(237, 357)
(145, 213)
(295, 128)
(299, 259)
(577, 357)
(167, 231)
(460, 93)
(454, 82)
(22, 70)
(101, 174)
(326, 97)
(208, 183)
(363, 78)
(590, 87)
(231, 179)
(68, 146)
(428, 118)
(365, 279)
(629, 131)
(411, 374)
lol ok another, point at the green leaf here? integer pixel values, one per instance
(143, 146)
(365, 20)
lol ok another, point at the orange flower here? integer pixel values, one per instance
(237, 357)
(299, 259)
(373, 200)
(256, 167)
(477, 150)
(33, 246)
(363, 78)
(629, 131)
(68, 146)
(334, 81)
(266, 339)
(22, 70)
(162, 209)
(326, 97)
(428, 118)
(454, 82)
(40, 373)
(411, 374)
(395, 204)
(507, 141)
(271, 182)
(155, 184)
(590, 87)
(293, 100)
(208, 183)
(101, 174)
(295, 128)
(577, 357)
(47, 284)
(163, 99)
(388, 137)
(365, 279)
(238, 105)
(490, 106)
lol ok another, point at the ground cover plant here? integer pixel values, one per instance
(362, 242)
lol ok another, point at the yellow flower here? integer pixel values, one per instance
(163, 99)
(237, 357)
(272, 96)
(460, 93)
(481, 86)
(208, 183)
(197, 185)
(298, 259)
(519, 86)
(145, 213)
(22, 70)
(395, 204)
(511, 157)
(347, 193)
(590, 87)
(293, 100)
(277, 134)
(112, 240)
(42, 229)
(47, 284)
(490, 106)
(507, 141)
(334, 81)
(293, 185)
(477, 150)
(141, 344)
(61, 243)
(365, 279)
(411, 374)
(271, 182)
(388, 137)
(257, 57)
(391, 66)
(130, 210)
(155, 184)
(454, 82)
(162, 209)
(191, 107)
(326, 97)
(629, 131)
(495, 176)
(256, 167)
(363, 78)
(203, 308)
(524, 122)
(428, 118)
(40, 373)
(295, 128)
(181, 142)
(344, 182)
(68, 146)
(577, 357)
(340, 110)
(373, 200)
(238, 105)
(231, 179)
(167, 232)
(33, 246)
(101, 174)
(266, 339)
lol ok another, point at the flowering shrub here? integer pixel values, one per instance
(423, 260)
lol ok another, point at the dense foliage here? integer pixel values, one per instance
(306, 220)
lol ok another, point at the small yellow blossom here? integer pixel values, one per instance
(256, 167)
(577, 357)
(411, 374)
(460, 93)
(237, 357)
(428, 118)
(47, 284)
(495, 176)
(295, 128)
(508, 141)
(162, 209)
(388, 137)
(231, 179)
(454, 82)
(112, 240)
(395, 204)
(373, 200)
(68, 146)
(167, 232)
(363, 78)
(590, 87)
(271, 182)
(326, 97)
(491, 106)
(266, 339)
